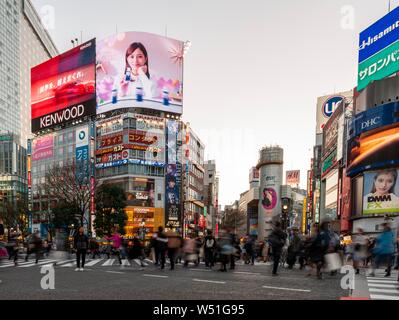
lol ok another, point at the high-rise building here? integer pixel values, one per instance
(24, 43)
(211, 194)
(193, 183)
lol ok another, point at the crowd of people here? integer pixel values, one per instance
(321, 251)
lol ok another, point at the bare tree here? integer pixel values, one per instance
(235, 219)
(69, 184)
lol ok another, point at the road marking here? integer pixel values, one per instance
(203, 270)
(65, 261)
(383, 290)
(382, 281)
(93, 262)
(109, 262)
(242, 272)
(377, 285)
(383, 297)
(209, 281)
(154, 276)
(115, 272)
(287, 289)
(148, 260)
(37, 264)
(125, 263)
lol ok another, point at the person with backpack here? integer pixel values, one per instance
(209, 249)
(277, 241)
(81, 243)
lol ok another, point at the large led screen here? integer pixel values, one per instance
(381, 192)
(373, 150)
(63, 88)
(141, 70)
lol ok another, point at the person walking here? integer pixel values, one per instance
(235, 243)
(37, 245)
(294, 248)
(136, 252)
(161, 245)
(249, 247)
(81, 243)
(190, 251)
(116, 239)
(320, 246)
(384, 250)
(277, 240)
(12, 247)
(225, 250)
(359, 249)
(209, 249)
(173, 244)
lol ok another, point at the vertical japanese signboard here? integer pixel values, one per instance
(173, 177)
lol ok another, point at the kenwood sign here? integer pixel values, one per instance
(70, 114)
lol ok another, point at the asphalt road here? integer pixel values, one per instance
(111, 282)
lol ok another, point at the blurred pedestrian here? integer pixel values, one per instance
(249, 247)
(161, 245)
(294, 248)
(174, 243)
(190, 251)
(209, 249)
(116, 246)
(384, 250)
(225, 250)
(277, 241)
(136, 252)
(359, 249)
(235, 253)
(81, 243)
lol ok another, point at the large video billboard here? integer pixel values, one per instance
(141, 70)
(381, 192)
(63, 88)
(378, 50)
(374, 139)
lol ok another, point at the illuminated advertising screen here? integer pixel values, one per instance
(141, 70)
(173, 178)
(381, 192)
(374, 139)
(43, 148)
(63, 88)
(378, 50)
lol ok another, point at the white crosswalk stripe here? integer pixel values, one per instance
(383, 288)
(109, 262)
(93, 263)
(41, 262)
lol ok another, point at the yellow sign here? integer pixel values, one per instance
(304, 216)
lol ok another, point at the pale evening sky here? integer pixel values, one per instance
(253, 73)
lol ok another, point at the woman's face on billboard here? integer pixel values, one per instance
(136, 60)
(384, 183)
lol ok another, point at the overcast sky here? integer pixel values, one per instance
(253, 73)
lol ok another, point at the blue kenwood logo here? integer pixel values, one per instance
(330, 105)
(82, 135)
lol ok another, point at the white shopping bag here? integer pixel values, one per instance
(333, 261)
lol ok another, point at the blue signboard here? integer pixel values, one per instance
(379, 35)
(374, 118)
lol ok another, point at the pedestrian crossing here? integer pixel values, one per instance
(103, 262)
(383, 288)
(71, 263)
